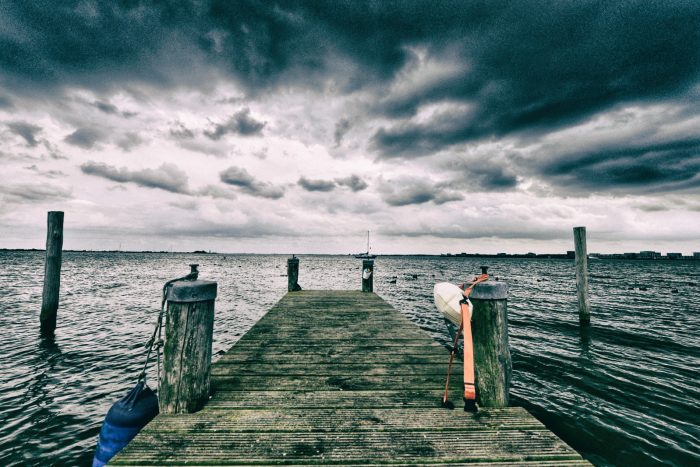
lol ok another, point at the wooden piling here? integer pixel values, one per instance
(367, 275)
(293, 274)
(52, 272)
(189, 326)
(584, 305)
(492, 361)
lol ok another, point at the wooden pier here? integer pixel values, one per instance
(340, 377)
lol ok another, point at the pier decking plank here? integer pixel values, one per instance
(340, 377)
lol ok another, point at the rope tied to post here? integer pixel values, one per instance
(156, 342)
(465, 328)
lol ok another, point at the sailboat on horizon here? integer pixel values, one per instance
(367, 254)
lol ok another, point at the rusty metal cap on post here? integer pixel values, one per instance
(490, 290)
(191, 291)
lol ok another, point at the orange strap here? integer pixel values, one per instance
(469, 388)
(466, 327)
(472, 284)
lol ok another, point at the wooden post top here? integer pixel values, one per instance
(191, 291)
(490, 290)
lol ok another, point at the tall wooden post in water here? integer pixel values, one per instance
(189, 328)
(492, 361)
(52, 272)
(367, 275)
(293, 274)
(584, 306)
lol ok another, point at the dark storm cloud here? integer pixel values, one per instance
(86, 138)
(524, 64)
(316, 185)
(515, 68)
(167, 177)
(482, 174)
(666, 166)
(542, 67)
(240, 123)
(106, 107)
(27, 131)
(353, 182)
(407, 191)
(240, 178)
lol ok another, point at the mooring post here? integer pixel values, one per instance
(367, 275)
(52, 272)
(584, 305)
(189, 328)
(492, 362)
(293, 274)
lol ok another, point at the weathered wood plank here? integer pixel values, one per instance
(341, 378)
(347, 419)
(398, 399)
(329, 382)
(162, 448)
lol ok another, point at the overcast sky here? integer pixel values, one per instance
(246, 126)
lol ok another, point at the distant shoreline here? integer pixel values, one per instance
(565, 256)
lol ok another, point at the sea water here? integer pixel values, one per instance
(623, 393)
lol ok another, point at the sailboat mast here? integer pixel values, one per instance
(368, 242)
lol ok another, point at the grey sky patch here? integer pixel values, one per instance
(501, 230)
(86, 138)
(26, 131)
(5, 103)
(54, 152)
(188, 204)
(34, 193)
(354, 182)
(215, 192)
(129, 141)
(240, 123)
(246, 183)
(167, 177)
(342, 126)
(180, 132)
(46, 173)
(316, 185)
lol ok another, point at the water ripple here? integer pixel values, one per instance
(623, 393)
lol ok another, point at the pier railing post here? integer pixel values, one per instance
(293, 274)
(492, 361)
(52, 272)
(584, 305)
(189, 327)
(367, 275)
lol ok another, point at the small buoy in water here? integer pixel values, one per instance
(674, 290)
(123, 421)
